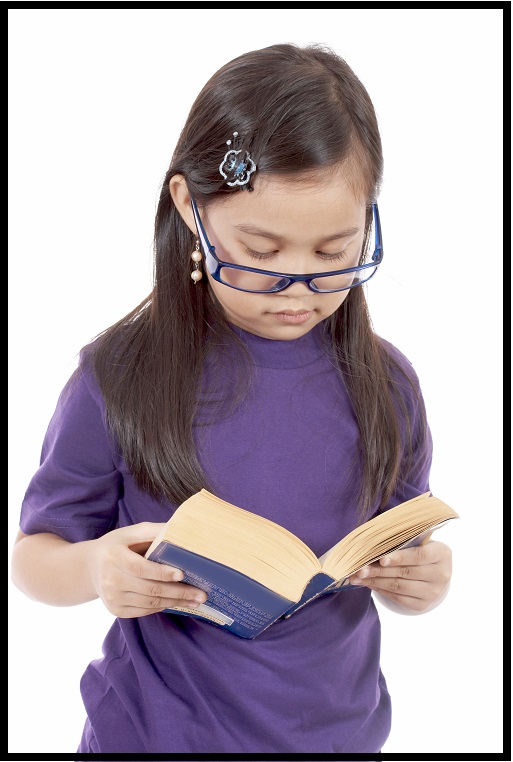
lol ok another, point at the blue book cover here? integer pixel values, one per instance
(235, 602)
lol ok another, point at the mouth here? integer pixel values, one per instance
(293, 317)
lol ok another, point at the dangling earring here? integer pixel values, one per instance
(196, 274)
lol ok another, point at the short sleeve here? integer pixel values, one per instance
(75, 491)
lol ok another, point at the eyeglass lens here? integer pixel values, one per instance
(262, 282)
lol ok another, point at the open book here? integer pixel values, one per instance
(255, 571)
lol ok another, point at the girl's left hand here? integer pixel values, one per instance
(416, 579)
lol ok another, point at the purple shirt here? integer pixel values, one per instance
(169, 683)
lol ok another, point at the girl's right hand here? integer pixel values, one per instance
(131, 585)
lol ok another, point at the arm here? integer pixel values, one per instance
(68, 553)
(410, 581)
(413, 580)
(51, 570)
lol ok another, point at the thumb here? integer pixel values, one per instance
(139, 537)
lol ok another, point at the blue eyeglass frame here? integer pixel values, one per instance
(215, 265)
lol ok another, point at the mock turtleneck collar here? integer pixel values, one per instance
(294, 353)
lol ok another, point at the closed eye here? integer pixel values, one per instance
(260, 254)
(334, 257)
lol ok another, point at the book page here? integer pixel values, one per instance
(251, 544)
(384, 533)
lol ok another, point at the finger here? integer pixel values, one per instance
(135, 534)
(159, 597)
(138, 537)
(401, 588)
(430, 552)
(165, 590)
(407, 592)
(419, 555)
(374, 572)
(143, 568)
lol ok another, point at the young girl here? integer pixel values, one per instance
(251, 370)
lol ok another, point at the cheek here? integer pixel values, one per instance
(333, 302)
(230, 299)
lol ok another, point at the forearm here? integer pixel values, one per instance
(51, 570)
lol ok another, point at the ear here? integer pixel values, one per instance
(182, 200)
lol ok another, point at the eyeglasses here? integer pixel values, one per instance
(257, 281)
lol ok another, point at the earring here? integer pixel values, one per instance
(196, 274)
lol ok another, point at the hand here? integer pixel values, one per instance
(131, 585)
(416, 579)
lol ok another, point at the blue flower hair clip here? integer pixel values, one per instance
(239, 168)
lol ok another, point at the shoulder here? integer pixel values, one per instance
(397, 363)
(394, 353)
(404, 381)
(82, 384)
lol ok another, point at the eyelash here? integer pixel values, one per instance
(326, 257)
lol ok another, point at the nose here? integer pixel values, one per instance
(297, 289)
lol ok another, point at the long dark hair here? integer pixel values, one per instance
(297, 109)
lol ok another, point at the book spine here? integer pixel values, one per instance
(320, 584)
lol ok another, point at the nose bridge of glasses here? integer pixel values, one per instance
(296, 283)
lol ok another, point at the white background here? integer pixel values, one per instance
(97, 99)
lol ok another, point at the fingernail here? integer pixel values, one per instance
(177, 576)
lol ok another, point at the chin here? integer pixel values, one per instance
(283, 332)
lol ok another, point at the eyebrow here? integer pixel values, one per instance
(254, 230)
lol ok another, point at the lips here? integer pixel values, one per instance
(293, 312)
(293, 316)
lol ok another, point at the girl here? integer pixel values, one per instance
(251, 370)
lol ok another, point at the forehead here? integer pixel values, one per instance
(310, 199)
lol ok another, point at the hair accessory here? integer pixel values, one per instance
(196, 274)
(239, 168)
